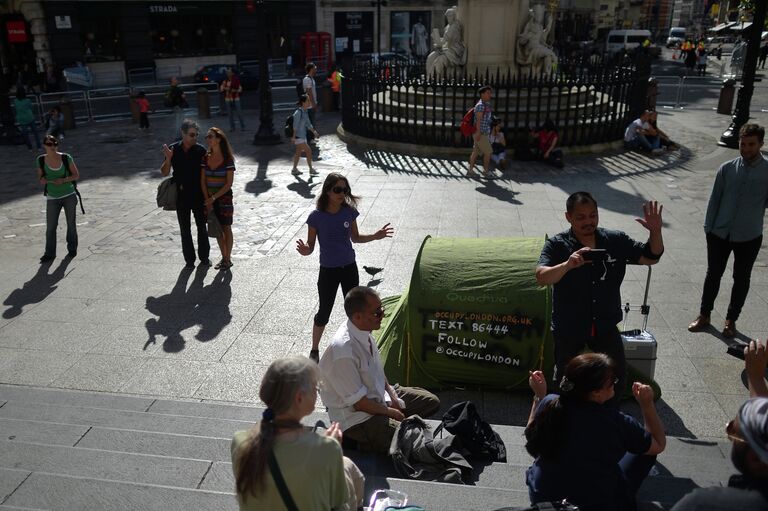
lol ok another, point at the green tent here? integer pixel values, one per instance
(473, 316)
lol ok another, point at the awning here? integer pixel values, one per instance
(723, 26)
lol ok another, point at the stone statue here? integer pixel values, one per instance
(533, 51)
(448, 51)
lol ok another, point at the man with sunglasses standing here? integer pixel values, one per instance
(185, 156)
(354, 387)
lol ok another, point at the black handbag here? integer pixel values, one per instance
(167, 194)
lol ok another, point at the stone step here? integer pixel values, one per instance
(126, 442)
(65, 493)
(105, 464)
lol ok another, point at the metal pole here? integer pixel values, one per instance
(730, 137)
(266, 134)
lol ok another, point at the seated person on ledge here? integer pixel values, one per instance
(498, 144)
(638, 135)
(354, 387)
(546, 144)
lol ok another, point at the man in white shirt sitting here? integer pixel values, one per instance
(354, 387)
(638, 135)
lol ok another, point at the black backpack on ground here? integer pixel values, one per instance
(476, 435)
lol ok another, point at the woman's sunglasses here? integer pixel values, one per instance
(49, 144)
(340, 189)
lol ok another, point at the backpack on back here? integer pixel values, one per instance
(468, 127)
(476, 435)
(300, 87)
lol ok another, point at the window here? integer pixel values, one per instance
(101, 39)
(190, 34)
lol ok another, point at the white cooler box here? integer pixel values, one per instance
(640, 351)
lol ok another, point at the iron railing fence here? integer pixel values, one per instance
(589, 102)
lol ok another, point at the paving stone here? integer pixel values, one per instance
(28, 395)
(159, 444)
(32, 431)
(10, 480)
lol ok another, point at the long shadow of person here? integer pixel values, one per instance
(183, 308)
(172, 310)
(213, 314)
(303, 188)
(36, 289)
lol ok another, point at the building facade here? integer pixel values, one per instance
(114, 37)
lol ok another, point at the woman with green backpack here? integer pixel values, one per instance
(58, 173)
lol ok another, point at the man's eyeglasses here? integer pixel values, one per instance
(730, 432)
(378, 313)
(340, 189)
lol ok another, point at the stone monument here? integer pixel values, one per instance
(507, 35)
(448, 52)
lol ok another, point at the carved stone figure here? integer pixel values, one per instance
(448, 51)
(533, 52)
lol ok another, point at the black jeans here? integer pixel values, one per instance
(53, 209)
(744, 255)
(608, 342)
(328, 283)
(187, 246)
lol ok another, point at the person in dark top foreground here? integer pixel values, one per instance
(589, 453)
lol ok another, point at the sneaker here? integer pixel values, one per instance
(657, 151)
(313, 172)
(296, 172)
(471, 173)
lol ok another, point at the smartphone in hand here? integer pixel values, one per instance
(595, 254)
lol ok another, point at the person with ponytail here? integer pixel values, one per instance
(315, 475)
(591, 454)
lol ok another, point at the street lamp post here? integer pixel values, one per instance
(266, 134)
(378, 4)
(730, 137)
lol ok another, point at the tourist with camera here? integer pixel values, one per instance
(586, 266)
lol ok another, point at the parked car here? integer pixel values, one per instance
(217, 73)
(628, 40)
(676, 37)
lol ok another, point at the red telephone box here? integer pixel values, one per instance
(316, 47)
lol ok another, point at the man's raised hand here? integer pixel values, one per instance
(651, 216)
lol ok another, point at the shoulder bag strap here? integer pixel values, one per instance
(41, 164)
(280, 482)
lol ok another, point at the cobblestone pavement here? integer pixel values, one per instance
(124, 317)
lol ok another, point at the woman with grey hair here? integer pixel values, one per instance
(272, 460)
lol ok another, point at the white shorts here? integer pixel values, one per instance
(300, 141)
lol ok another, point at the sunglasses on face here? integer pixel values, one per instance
(378, 313)
(340, 189)
(49, 144)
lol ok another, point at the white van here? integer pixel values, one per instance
(625, 40)
(676, 36)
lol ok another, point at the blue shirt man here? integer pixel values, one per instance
(734, 223)
(586, 299)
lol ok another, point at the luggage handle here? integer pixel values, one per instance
(645, 309)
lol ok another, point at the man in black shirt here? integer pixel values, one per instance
(185, 157)
(586, 297)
